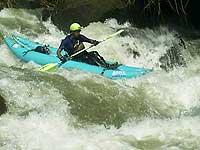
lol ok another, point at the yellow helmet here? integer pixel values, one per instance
(75, 27)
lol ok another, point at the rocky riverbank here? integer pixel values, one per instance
(140, 12)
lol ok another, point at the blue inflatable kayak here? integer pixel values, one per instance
(19, 46)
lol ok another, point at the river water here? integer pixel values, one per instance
(75, 110)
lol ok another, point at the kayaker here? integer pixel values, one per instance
(74, 43)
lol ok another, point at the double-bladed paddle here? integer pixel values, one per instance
(52, 67)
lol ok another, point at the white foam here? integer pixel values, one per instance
(49, 124)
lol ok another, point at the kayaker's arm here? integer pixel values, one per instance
(59, 54)
(67, 46)
(91, 41)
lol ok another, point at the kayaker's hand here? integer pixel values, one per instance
(63, 59)
(95, 42)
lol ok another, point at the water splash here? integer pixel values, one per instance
(78, 110)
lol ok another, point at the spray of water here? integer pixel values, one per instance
(78, 110)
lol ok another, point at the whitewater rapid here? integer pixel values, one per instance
(76, 110)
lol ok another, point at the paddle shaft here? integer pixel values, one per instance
(54, 65)
(109, 37)
(75, 54)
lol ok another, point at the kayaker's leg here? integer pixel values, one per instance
(98, 58)
(101, 61)
(80, 56)
(85, 57)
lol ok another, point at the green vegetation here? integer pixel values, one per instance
(150, 11)
(7, 3)
(51, 3)
(178, 6)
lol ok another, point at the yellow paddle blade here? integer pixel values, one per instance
(118, 32)
(49, 67)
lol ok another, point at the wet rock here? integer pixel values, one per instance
(64, 12)
(193, 13)
(2, 5)
(174, 56)
(3, 108)
(30, 4)
(83, 12)
(140, 12)
(131, 51)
